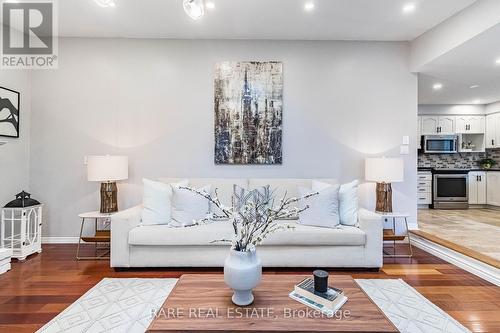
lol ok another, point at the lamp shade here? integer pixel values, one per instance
(107, 168)
(384, 169)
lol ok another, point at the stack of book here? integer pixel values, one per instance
(328, 302)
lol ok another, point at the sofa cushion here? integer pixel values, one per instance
(224, 187)
(202, 235)
(188, 207)
(282, 185)
(156, 201)
(323, 208)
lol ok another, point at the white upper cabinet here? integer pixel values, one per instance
(430, 125)
(490, 131)
(470, 124)
(493, 130)
(438, 125)
(477, 124)
(443, 124)
(446, 125)
(497, 130)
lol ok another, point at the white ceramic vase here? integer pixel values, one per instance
(242, 273)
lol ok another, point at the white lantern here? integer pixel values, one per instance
(21, 226)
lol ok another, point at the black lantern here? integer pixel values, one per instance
(22, 200)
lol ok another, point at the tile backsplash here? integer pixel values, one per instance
(459, 160)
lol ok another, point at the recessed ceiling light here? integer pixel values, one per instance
(194, 8)
(477, 101)
(437, 86)
(409, 8)
(474, 86)
(309, 6)
(105, 3)
(210, 5)
(497, 61)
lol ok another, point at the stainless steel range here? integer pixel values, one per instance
(450, 189)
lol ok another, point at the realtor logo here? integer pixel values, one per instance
(29, 34)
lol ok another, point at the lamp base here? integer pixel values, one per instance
(384, 198)
(109, 196)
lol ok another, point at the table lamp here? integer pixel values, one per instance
(107, 170)
(384, 171)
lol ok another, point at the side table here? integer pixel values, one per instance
(390, 234)
(100, 236)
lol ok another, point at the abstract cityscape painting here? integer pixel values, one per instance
(248, 103)
(9, 113)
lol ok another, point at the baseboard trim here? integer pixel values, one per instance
(476, 267)
(59, 240)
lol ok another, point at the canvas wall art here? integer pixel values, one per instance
(248, 103)
(9, 113)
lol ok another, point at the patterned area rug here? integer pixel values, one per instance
(126, 305)
(113, 305)
(408, 310)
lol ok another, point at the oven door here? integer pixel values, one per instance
(440, 144)
(451, 188)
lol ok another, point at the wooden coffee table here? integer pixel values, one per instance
(202, 303)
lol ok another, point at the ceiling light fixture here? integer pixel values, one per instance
(409, 8)
(477, 101)
(105, 3)
(497, 61)
(210, 5)
(309, 6)
(437, 86)
(194, 8)
(474, 86)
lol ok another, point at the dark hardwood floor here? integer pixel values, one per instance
(36, 290)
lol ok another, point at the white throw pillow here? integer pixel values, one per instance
(188, 207)
(156, 201)
(348, 200)
(323, 208)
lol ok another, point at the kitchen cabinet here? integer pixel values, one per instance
(477, 187)
(493, 188)
(430, 125)
(470, 124)
(446, 124)
(438, 125)
(493, 130)
(424, 188)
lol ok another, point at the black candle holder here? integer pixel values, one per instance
(320, 281)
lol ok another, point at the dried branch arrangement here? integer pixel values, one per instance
(253, 214)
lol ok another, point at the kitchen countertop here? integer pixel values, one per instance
(458, 169)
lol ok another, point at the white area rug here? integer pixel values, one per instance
(126, 305)
(113, 305)
(408, 310)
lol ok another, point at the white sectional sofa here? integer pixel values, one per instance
(134, 245)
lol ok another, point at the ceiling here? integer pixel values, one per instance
(257, 19)
(472, 63)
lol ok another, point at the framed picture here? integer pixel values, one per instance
(9, 112)
(248, 103)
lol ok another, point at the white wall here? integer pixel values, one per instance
(458, 109)
(493, 108)
(153, 101)
(455, 31)
(14, 154)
